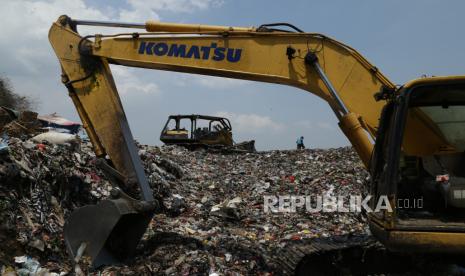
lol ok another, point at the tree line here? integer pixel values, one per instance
(9, 98)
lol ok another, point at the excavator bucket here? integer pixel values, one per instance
(110, 230)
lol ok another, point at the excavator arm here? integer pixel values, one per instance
(313, 62)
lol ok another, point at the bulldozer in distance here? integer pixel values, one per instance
(202, 131)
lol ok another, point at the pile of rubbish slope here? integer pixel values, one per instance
(213, 223)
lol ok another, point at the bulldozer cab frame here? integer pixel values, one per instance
(197, 130)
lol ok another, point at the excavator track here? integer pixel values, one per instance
(343, 255)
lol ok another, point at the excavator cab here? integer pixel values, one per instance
(197, 130)
(419, 164)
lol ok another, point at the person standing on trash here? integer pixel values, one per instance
(300, 143)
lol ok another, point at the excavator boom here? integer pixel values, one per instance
(313, 62)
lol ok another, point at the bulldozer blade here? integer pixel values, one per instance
(111, 231)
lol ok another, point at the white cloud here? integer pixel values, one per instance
(211, 82)
(25, 25)
(29, 19)
(140, 8)
(325, 125)
(32, 19)
(128, 83)
(218, 82)
(306, 124)
(28, 59)
(140, 11)
(251, 123)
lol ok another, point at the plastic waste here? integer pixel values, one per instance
(55, 138)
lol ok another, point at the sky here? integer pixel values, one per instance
(404, 39)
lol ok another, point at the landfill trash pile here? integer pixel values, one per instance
(213, 222)
(28, 123)
(41, 183)
(18, 124)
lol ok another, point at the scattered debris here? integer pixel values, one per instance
(213, 224)
(55, 138)
(57, 123)
(26, 124)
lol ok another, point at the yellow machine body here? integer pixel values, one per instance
(312, 62)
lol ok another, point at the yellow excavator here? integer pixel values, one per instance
(410, 137)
